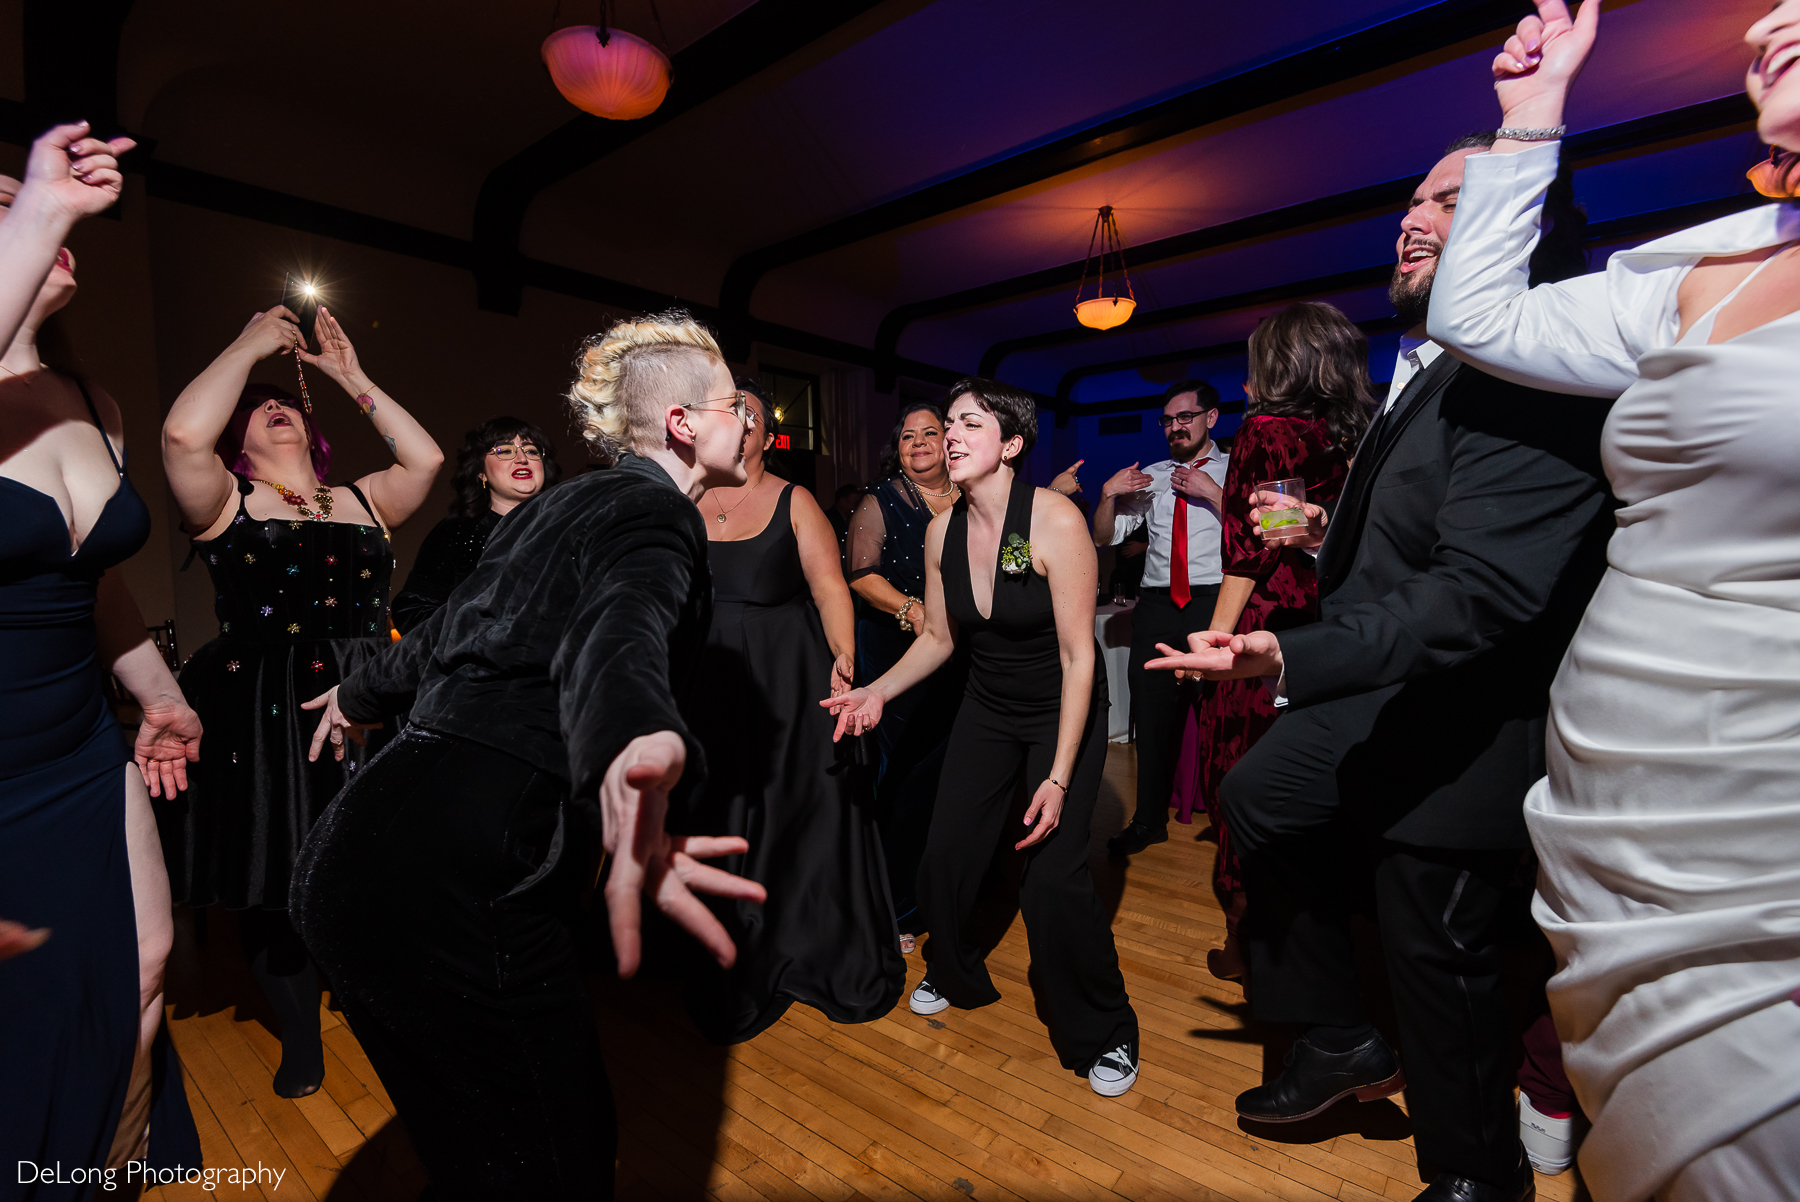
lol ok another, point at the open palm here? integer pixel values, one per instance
(336, 357)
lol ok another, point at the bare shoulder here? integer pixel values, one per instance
(934, 531)
(1055, 516)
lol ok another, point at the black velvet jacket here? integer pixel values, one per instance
(449, 554)
(584, 619)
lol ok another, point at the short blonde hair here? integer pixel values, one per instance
(627, 377)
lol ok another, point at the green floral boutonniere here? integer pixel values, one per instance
(1015, 555)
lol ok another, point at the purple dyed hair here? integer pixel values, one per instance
(231, 443)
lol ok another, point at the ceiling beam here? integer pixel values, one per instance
(756, 38)
(1635, 226)
(1324, 285)
(1432, 28)
(1707, 117)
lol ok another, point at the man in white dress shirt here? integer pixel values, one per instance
(1178, 500)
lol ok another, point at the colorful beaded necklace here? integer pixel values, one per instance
(321, 498)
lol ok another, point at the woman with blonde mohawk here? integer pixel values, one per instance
(438, 891)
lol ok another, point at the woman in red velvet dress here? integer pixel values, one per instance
(1308, 390)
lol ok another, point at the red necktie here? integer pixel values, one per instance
(1179, 592)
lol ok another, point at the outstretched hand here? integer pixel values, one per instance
(634, 800)
(1539, 64)
(76, 175)
(1219, 655)
(856, 711)
(168, 740)
(1067, 482)
(334, 725)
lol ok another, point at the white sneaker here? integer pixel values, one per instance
(927, 1000)
(1114, 1073)
(1550, 1143)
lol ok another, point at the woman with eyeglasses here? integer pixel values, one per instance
(442, 891)
(300, 571)
(887, 570)
(783, 632)
(503, 463)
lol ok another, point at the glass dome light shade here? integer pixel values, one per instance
(622, 80)
(1105, 312)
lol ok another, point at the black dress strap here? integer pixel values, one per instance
(95, 414)
(367, 508)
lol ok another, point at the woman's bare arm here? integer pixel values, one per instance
(825, 577)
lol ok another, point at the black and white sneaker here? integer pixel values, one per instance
(1114, 1073)
(927, 1000)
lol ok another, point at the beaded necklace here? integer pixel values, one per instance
(321, 498)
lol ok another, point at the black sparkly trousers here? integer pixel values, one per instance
(438, 894)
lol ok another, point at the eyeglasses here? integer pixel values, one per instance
(740, 406)
(1184, 418)
(507, 453)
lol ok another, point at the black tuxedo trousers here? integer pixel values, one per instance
(1469, 537)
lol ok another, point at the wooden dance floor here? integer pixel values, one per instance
(965, 1105)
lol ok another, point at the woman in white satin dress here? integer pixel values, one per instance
(1669, 825)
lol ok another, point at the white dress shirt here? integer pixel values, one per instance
(1416, 354)
(1156, 505)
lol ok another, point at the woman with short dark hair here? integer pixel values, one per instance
(1034, 712)
(504, 462)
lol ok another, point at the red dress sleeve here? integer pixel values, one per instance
(1266, 448)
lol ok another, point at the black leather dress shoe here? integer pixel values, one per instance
(1451, 1188)
(1136, 838)
(1315, 1079)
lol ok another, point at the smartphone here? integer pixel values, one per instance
(303, 303)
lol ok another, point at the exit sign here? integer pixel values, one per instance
(781, 442)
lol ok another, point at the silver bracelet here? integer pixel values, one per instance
(1550, 134)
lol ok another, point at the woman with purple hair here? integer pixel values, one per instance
(300, 571)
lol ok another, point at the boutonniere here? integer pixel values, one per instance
(1015, 555)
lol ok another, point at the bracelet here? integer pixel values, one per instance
(1052, 780)
(1549, 134)
(900, 614)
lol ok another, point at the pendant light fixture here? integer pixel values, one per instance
(606, 71)
(1104, 310)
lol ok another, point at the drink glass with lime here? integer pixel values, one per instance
(1283, 517)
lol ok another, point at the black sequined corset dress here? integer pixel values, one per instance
(301, 604)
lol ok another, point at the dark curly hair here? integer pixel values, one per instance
(890, 451)
(1014, 410)
(1311, 361)
(470, 499)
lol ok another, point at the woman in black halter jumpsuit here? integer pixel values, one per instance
(1011, 727)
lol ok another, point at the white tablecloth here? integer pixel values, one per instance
(1112, 627)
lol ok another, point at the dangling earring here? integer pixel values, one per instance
(484, 482)
(1775, 177)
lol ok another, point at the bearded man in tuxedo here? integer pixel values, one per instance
(1470, 534)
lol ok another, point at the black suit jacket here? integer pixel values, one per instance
(1470, 535)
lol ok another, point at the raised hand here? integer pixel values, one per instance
(77, 176)
(1066, 482)
(1190, 481)
(856, 711)
(276, 332)
(634, 800)
(1043, 815)
(1126, 480)
(336, 357)
(335, 726)
(168, 740)
(1535, 70)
